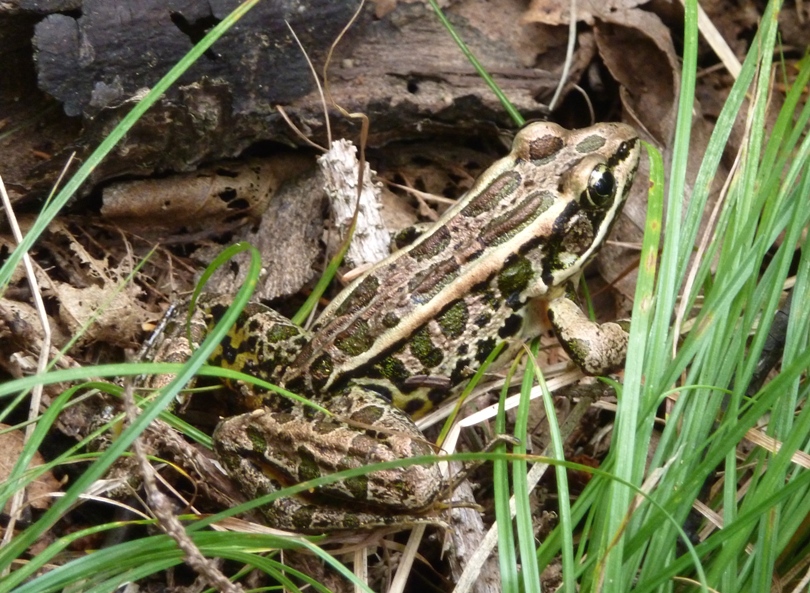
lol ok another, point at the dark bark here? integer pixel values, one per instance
(401, 69)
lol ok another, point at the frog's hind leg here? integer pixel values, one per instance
(299, 515)
(267, 449)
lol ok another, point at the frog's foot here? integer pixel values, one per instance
(596, 348)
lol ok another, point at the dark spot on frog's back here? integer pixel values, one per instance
(228, 351)
(501, 229)
(264, 368)
(307, 465)
(380, 391)
(461, 371)
(361, 296)
(511, 326)
(217, 311)
(257, 438)
(367, 415)
(428, 283)
(503, 186)
(250, 366)
(251, 344)
(393, 369)
(390, 320)
(515, 276)
(483, 348)
(438, 395)
(432, 246)
(321, 370)
(543, 149)
(514, 301)
(483, 319)
(305, 518)
(281, 407)
(424, 350)
(406, 237)
(253, 326)
(453, 319)
(279, 332)
(326, 425)
(356, 339)
(590, 144)
(358, 486)
(413, 406)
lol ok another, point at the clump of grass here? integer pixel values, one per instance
(735, 285)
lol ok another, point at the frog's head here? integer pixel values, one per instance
(587, 175)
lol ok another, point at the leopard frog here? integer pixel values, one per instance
(410, 332)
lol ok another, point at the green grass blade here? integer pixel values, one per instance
(507, 555)
(479, 68)
(530, 573)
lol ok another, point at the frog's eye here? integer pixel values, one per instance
(601, 186)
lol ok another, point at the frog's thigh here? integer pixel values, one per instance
(596, 348)
(300, 515)
(289, 448)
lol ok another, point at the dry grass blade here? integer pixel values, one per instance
(42, 361)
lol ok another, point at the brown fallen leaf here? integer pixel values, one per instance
(38, 493)
(98, 295)
(637, 49)
(215, 198)
(557, 12)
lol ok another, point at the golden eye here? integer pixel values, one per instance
(601, 186)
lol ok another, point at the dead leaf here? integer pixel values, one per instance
(638, 51)
(38, 493)
(98, 295)
(115, 316)
(212, 199)
(557, 12)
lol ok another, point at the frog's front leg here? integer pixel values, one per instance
(597, 348)
(269, 449)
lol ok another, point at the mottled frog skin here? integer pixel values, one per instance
(413, 329)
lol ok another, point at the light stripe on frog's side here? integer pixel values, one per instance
(528, 225)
